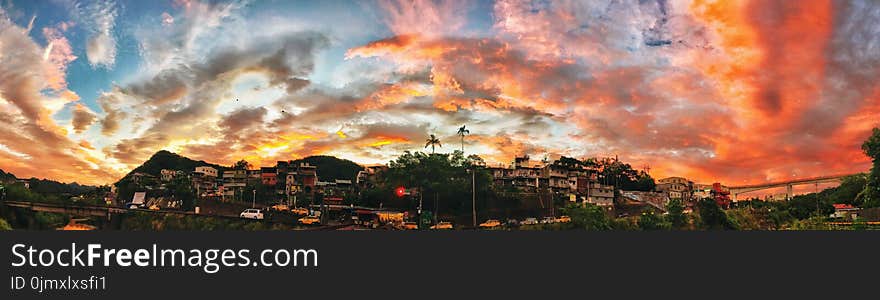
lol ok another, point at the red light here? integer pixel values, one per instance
(400, 191)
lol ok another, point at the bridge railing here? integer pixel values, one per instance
(787, 182)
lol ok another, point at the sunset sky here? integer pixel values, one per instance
(730, 91)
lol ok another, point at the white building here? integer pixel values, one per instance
(207, 171)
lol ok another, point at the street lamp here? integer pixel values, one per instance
(473, 196)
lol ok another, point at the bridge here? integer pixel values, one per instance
(92, 210)
(788, 184)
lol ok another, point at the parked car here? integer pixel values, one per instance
(563, 219)
(310, 220)
(490, 223)
(548, 220)
(251, 213)
(442, 225)
(529, 221)
(512, 222)
(132, 205)
(410, 225)
(279, 207)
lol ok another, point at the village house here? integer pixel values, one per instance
(579, 184)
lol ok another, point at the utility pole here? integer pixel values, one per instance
(474, 196)
(254, 203)
(817, 198)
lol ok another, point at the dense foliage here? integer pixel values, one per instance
(870, 196)
(442, 181)
(588, 217)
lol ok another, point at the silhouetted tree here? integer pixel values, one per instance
(462, 131)
(242, 165)
(433, 141)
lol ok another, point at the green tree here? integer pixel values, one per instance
(622, 175)
(746, 219)
(651, 221)
(675, 214)
(808, 205)
(711, 215)
(813, 223)
(870, 196)
(182, 189)
(443, 180)
(625, 224)
(848, 190)
(587, 217)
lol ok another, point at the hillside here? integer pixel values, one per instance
(172, 161)
(331, 168)
(6, 177)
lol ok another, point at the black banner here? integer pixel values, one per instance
(462, 264)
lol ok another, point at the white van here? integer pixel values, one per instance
(252, 213)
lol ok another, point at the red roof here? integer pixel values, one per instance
(843, 206)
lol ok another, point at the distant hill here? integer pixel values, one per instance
(172, 161)
(331, 168)
(6, 177)
(46, 186)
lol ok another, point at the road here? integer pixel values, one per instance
(106, 211)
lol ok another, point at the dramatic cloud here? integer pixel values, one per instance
(109, 104)
(101, 45)
(730, 91)
(82, 118)
(32, 89)
(185, 100)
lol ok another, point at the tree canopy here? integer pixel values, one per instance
(870, 196)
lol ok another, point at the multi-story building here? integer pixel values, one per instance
(167, 174)
(675, 187)
(205, 181)
(205, 185)
(701, 191)
(269, 176)
(599, 194)
(306, 175)
(557, 177)
(207, 171)
(369, 176)
(581, 184)
(234, 182)
(142, 179)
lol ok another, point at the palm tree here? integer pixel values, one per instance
(462, 132)
(433, 141)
